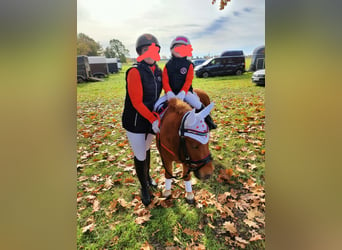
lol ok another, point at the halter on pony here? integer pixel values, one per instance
(189, 128)
(182, 148)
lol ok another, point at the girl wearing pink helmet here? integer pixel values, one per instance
(178, 74)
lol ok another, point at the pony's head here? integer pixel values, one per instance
(196, 136)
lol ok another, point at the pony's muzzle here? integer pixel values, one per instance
(203, 176)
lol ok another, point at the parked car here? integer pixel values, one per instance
(219, 66)
(198, 62)
(236, 53)
(258, 77)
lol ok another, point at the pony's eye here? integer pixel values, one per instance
(195, 146)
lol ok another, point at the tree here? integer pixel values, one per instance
(116, 50)
(223, 3)
(87, 46)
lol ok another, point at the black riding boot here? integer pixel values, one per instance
(151, 182)
(209, 121)
(140, 168)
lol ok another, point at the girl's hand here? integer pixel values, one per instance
(170, 95)
(181, 95)
(155, 126)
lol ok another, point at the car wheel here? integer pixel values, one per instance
(238, 72)
(205, 74)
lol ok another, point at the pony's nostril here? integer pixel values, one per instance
(207, 176)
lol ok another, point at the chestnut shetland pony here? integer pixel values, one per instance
(183, 138)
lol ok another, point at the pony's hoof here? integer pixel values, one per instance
(152, 184)
(190, 201)
(167, 194)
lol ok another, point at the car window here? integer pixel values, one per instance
(207, 62)
(216, 62)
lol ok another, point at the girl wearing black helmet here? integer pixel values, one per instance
(178, 74)
(143, 88)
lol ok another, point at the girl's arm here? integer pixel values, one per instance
(135, 92)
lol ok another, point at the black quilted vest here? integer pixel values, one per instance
(177, 69)
(152, 87)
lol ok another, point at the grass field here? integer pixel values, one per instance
(230, 208)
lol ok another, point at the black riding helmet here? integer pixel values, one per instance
(145, 40)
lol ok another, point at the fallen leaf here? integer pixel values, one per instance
(222, 198)
(109, 183)
(146, 246)
(129, 180)
(192, 233)
(253, 213)
(112, 226)
(90, 225)
(112, 206)
(211, 226)
(239, 169)
(256, 237)
(142, 219)
(96, 206)
(89, 228)
(239, 239)
(229, 226)
(83, 178)
(251, 223)
(123, 203)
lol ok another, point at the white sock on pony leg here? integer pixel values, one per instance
(167, 191)
(168, 184)
(188, 186)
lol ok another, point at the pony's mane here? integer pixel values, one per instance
(178, 106)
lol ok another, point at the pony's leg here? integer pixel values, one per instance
(189, 195)
(167, 191)
(168, 181)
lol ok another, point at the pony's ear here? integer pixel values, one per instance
(191, 119)
(205, 112)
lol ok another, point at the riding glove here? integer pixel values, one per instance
(170, 95)
(181, 95)
(155, 126)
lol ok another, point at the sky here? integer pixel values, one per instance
(240, 26)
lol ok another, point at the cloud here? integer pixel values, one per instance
(239, 25)
(212, 28)
(247, 9)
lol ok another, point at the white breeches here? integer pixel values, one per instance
(140, 143)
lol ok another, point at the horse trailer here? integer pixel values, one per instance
(84, 73)
(98, 66)
(258, 59)
(113, 65)
(83, 69)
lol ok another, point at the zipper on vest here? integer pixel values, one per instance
(155, 84)
(135, 119)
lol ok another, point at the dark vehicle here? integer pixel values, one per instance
(258, 59)
(258, 77)
(112, 65)
(83, 69)
(233, 53)
(197, 62)
(219, 66)
(98, 66)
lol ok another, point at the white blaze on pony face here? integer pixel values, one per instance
(195, 126)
